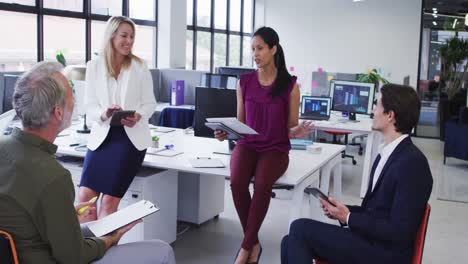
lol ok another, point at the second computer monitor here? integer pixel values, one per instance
(212, 103)
(352, 97)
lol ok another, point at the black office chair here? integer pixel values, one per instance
(345, 134)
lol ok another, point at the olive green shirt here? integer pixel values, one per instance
(36, 204)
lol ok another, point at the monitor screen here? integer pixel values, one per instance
(212, 103)
(237, 71)
(218, 80)
(352, 97)
(315, 106)
(9, 88)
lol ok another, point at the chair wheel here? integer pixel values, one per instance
(360, 152)
(354, 162)
(273, 195)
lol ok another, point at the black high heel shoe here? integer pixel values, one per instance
(258, 257)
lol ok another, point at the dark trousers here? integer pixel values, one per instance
(309, 239)
(267, 167)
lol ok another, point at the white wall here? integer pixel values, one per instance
(344, 36)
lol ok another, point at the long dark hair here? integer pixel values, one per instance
(283, 78)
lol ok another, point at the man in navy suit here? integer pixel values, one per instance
(383, 228)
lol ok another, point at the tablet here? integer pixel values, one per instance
(117, 116)
(319, 194)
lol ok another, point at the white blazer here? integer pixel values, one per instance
(136, 94)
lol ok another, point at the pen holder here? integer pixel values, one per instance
(155, 144)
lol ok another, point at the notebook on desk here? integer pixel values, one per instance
(315, 107)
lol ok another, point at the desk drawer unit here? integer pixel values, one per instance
(155, 185)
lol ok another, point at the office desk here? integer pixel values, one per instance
(304, 169)
(363, 126)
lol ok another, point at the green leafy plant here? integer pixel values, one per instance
(371, 77)
(454, 56)
(61, 58)
(154, 138)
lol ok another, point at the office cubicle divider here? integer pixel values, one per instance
(191, 80)
(6, 82)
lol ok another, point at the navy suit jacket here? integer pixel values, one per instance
(390, 215)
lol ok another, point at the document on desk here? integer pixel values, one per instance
(233, 124)
(161, 129)
(163, 152)
(206, 163)
(122, 218)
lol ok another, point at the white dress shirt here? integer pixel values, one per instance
(385, 152)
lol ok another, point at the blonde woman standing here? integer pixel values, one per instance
(116, 80)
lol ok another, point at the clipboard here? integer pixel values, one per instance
(163, 152)
(122, 218)
(232, 134)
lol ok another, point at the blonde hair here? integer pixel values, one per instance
(107, 50)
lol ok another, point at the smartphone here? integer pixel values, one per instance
(319, 194)
(117, 116)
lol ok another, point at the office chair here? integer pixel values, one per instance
(7, 248)
(345, 134)
(418, 242)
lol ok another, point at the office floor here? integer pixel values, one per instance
(217, 241)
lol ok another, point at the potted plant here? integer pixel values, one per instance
(454, 56)
(155, 142)
(372, 76)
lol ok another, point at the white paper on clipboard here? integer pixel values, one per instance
(122, 218)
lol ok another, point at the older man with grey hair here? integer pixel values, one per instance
(36, 192)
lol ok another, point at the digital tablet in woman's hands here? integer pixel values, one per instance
(117, 116)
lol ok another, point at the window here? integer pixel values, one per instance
(97, 34)
(21, 2)
(203, 13)
(106, 7)
(234, 50)
(221, 38)
(203, 51)
(66, 35)
(220, 50)
(63, 28)
(19, 53)
(142, 9)
(145, 44)
(189, 50)
(69, 5)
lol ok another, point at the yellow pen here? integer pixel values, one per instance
(84, 208)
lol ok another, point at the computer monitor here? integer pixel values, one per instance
(215, 80)
(8, 89)
(352, 97)
(237, 71)
(212, 103)
(315, 107)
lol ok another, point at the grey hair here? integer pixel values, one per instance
(36, 94)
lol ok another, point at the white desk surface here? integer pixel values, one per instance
(301, 164)
(364, 124)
